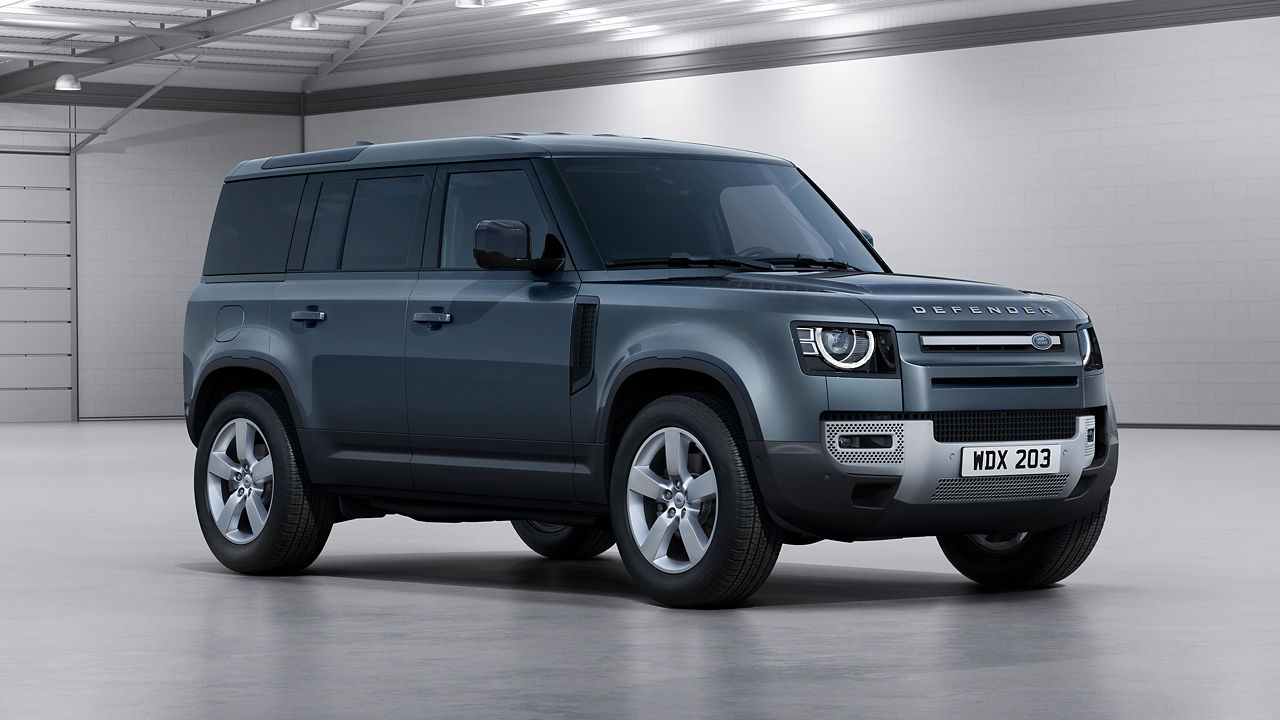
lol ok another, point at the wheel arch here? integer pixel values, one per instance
(653, 377)
(647, 379)
(223, 376)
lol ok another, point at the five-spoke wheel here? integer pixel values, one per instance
(240, 479)
(684, 508)
(258, 511)
(671, 500)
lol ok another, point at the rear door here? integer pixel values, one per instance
(338, 322)
(488, 350)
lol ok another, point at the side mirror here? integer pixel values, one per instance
(504, 245)
(867, 234)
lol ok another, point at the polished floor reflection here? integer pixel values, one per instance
(110, 606)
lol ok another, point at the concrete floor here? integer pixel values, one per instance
(111, 606)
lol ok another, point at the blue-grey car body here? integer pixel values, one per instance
(482, 415)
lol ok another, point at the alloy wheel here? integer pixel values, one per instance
(240, 481)
(671, 500)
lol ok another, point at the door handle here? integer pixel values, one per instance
(307, 315)
(433, 317)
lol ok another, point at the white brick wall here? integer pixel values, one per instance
(1137, 173)
(146, 196)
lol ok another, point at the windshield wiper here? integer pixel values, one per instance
(687, 260)
(809, 261)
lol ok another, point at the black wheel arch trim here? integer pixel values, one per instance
(710, 366)
(248, 363)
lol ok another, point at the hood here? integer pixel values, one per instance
(921, 303)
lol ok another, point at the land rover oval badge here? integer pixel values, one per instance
(1041, 341)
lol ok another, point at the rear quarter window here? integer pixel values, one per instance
(253, 225)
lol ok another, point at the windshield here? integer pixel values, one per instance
(650, 209)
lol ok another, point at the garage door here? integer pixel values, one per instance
(36, 367)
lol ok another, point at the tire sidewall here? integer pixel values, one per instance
(257, 552)
(703, 424)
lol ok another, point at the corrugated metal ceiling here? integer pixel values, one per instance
(367, 42)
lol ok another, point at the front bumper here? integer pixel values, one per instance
(914, 488)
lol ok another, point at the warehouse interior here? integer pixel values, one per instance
(1124, 154)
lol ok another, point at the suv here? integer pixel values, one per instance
(685, 349)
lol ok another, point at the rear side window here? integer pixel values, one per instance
(329, 225)
(381, 225)
(253, 225)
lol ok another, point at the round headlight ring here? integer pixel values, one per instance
(845, 363)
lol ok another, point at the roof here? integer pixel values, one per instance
(486, 147)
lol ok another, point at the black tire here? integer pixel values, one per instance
(1038, 560)
(563, 542)
(744, 544)
(300, 516)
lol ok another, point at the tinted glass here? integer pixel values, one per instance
(494, 195)
(329, 226)
(381, 226)
(253, 225)
(650, 208)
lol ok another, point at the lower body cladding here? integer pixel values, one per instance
(915, 474)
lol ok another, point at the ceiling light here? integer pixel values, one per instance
(66, 81)
(469, 4)
(305, 20)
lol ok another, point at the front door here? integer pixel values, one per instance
(487, 351)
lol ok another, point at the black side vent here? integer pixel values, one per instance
(583, 342)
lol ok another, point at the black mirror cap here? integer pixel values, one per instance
(866, 234)
(504, 245)
(506, 238)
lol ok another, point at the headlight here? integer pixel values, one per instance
(1090, 351)
(823, 349)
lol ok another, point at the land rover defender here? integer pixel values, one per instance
(686, 350)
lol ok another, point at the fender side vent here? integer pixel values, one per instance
(583, 342)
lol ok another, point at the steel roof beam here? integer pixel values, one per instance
(355, 43)
(129, 52)
(51, 57)
(94, 29)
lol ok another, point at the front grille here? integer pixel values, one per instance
(989, 342)
(989, 425)
(1000, 487)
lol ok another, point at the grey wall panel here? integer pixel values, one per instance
(35, 271)
(45, 171)
(35, 304)
(35, 237)
(35, 338)
(35, 405)
(37, 335)
(145, 198)
(35, 371)
(23, 204)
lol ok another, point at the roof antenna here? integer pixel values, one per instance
(362, 143)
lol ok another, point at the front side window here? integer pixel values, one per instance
(648, 209)
(472, 197)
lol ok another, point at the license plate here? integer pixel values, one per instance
(1010, 460)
